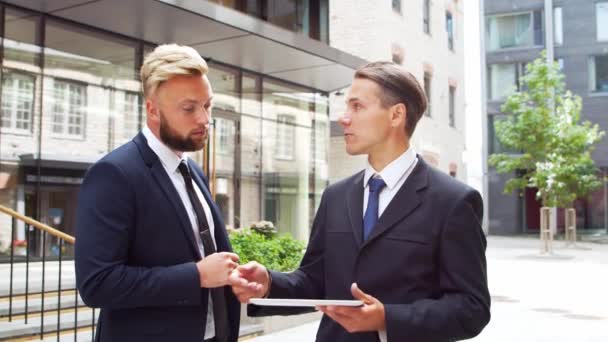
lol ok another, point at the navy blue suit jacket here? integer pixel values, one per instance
(424, 260)
(135, 251)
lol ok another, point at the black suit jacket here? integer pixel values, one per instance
(135, 251)
(424, 260)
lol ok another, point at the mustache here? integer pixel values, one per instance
(202, 129)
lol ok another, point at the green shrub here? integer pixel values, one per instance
(276, 252)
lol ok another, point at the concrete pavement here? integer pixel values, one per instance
(558, 298)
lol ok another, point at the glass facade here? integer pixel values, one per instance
(309, 17)
(601, 23)
(598, 74)
(70, 94)
(516, 30)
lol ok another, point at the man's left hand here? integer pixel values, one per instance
(369, 317)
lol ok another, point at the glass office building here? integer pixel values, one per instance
(71, 93)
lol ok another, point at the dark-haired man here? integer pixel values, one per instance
(401, 236)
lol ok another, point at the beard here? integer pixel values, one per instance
(175, 141)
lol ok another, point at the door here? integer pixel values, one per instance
(58, 210)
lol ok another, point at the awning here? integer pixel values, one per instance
(57, 161)
(217, 32)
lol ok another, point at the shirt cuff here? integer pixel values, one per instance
(382, 335)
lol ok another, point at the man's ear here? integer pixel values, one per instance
(398, 114)
(152, 109)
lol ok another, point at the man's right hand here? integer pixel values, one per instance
(214, 270)
(251, 280)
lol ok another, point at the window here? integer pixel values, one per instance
(286, 130)
(558, 33)
(560, 62)
(427, 91)
(397, 6)
(601, 10)
(306, 16)
(503, 79)
(452, 109)
(598, 74)
(225, 131)
(320, 141)
(69, 109)
(514, 30)
(426, 17)
(397, 53)
(17, 101)
(494, 144)
(130, 115)
(449, 22)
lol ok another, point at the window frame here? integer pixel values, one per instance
(15, 102)
(130, 125)
(428, 91)
(520, 67)
(286, 127)
(65, 125)
(426, 17)
(532, 26)
(597, 21)
(449, 28)
(592, 75)
(397, 6)
(452, 106)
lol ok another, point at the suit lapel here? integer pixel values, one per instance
(403, 204)
(221, 238)
(354, 203)
(164, 182)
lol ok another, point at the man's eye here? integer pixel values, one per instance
(188, 109)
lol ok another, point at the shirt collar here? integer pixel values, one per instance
(167, 157)
(393, 172)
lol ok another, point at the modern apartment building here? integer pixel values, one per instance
(515, 34)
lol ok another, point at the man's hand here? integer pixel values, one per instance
(369, 317)
(214, 270)
(250, 281)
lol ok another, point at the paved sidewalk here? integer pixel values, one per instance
(558, 298)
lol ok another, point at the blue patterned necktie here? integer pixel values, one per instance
(371, 213)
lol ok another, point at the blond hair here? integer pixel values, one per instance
(167, 61)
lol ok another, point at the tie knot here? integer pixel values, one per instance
(376, 184)
(184, 170)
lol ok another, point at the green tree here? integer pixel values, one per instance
(555, 146)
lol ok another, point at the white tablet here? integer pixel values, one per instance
(303, 302)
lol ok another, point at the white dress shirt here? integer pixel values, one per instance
(394, 175)
(170, 161)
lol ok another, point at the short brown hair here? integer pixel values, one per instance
(396, 86)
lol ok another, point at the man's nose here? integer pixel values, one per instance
(344, 120)
(203, 116)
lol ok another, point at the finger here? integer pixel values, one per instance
(254, 286)
(248, 267)
(232, 256)
(347, 311)
(360, 295)
(236, 281)
(336, 317)
(232, 265)
(243, 299)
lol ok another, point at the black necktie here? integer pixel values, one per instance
(220, 313)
